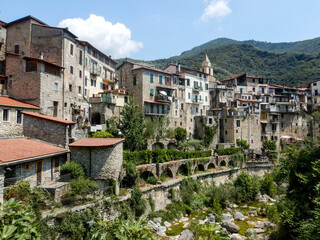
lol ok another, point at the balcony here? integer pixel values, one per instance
(236, 113)
(94, 71)
(197, 88)
(274, 120)
(162, 98)
(155, 112)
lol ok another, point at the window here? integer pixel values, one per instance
(86, 81)
(316, 92)
(314, 84)
(86, 62)
(19, 117)
(151, 92)
(226, 132)
(71, 69)
(206, 86)
(181, 106)
(79, 90)
(5, 115)
(65, 104)
(55, 109)
(229, 94)
(315, 100)
(274, 127)
(70, 87)
(253, 89)
(189, 95)
(206, 97)
(56, 165)
(56, 86)
(26, 167)
(188, 82)
(93, 82)
(151, 78)
(238, 123)
(223, 94)
(262, 90)
(102, 86)
(160, 79)
(16, 49)
(80, 74)
(71, 48)
(241, 90)
(134, 81)
(210, 120)
(31, 66)
(80, 57)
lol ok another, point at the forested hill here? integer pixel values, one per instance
(290, 69)
(311, 46)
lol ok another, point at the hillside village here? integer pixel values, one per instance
(57, 90)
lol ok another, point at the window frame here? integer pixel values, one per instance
(7, 115)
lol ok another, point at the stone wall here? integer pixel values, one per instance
(101, 163)
(46, 130)
(11, 128)
(1, 183)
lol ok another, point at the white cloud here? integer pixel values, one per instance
(112, 39)
(216, 9)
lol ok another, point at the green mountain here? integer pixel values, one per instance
(307, 46)
(290, 69)
(283, 63)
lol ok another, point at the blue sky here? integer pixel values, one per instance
(150, 29)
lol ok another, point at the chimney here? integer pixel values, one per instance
(179, 67)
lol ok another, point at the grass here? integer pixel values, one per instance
(176, 229)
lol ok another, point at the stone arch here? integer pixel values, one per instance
(223, 163)
(146, 174)
(167, 173)
(231, 163)
(96, 118)
(183, 170)
(211, 166)
(172, 146)
(199, 167)
(157, 145)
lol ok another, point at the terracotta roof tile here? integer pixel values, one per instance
(234, 76)
(12, 150)
(38, 115)
(248, 100)
(10, 102)
(96, 142)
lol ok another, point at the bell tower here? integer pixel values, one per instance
(206, 66)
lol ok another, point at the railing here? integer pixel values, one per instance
(161, 98)
(155, 112)
(197, 88)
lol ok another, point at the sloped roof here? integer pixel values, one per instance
(96, 142)
(38, 115)
(29, 17)
(12, 150)
(10, 102)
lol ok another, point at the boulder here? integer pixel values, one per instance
(239, 216)
(224, 231)
(184, 219)
(186, 235)
(227, 217)
(236, 236)
(230, 226)
(167, 224)
(210, 218)
(157, 220)
(253, 213)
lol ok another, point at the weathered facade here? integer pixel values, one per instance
(102, 158)
(11, 116)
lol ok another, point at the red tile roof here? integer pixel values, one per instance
(215, 109)
(38, 115)
(235, 76)
(12, 150)
(96, 142)
(10, 102)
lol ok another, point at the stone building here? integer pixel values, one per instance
(49, 67)
(177, 92)
(50, 129)
(11, 116)
(33, 161)
(102, 158)
(3, 34)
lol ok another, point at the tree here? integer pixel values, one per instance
(102, 134)
(209, 132)
(132, 127)
(243, 144)
(17, 221)
(300, 209)
(270, 146)
(180, 134)
(157, 128)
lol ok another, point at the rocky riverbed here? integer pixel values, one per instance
(239, 222)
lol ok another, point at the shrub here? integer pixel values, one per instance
(102, 134)
(188, 188)
(227, 151)
(267, 185)
(180, 134)
(152, 203)
(272, 213)
(137, 203)
(247, 188)
(162, 155)
(152, 180)
(76, 169)
(132, 174)
(82, 185)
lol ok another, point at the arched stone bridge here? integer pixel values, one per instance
(184, 166)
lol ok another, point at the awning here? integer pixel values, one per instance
(107, 81)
